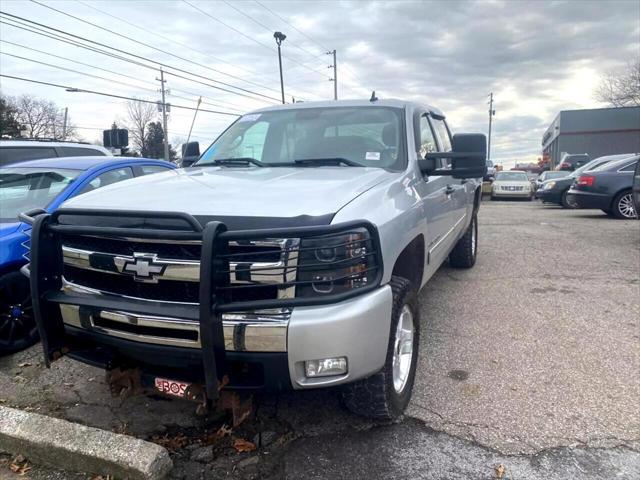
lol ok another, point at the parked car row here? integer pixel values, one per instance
(45, 184)
(604, 183)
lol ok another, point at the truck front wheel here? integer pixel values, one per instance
(386, 394)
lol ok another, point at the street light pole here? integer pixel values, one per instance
(279, 36)
(492, 112)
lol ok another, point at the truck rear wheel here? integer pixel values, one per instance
(386, 394)
(465, 252)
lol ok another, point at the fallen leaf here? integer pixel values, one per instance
(68, 384)
(19, 465)
(500, 469)
(223, 383)
(171, 443)
(242, 445)
(24, 364)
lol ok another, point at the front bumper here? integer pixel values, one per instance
(589, 199)
(551, 196)
(357, 329)
(512, 193)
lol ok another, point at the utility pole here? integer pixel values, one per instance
(64, 124)
(335, 74)
(164, 115)
(279, 36)
(492, 112)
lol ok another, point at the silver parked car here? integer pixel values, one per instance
(512, 184)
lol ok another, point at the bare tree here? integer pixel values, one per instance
(621, 89)
(41, 118)
(140, 115)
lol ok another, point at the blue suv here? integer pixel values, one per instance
(45, 184)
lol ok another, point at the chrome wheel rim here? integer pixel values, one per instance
(625, 206)
(403, 349)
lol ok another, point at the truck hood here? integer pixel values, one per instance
(238, 192)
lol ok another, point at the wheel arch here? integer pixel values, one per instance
(410, 263)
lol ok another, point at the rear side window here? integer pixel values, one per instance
(149, 169)
(443, 134)
(108, 178)
(427, 140)
(18, 154)
(80, 152)
(629, 168)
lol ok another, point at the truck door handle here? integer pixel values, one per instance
(449, 190)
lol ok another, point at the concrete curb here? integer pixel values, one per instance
(70, 446)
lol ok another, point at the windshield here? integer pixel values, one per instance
(363, 136)
(22, 189)
(615, 164)
(551, 175)
(514, 176)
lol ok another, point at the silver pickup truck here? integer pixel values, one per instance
(289, 256)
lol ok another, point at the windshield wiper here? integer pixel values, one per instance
(232, 161)
(327, 161)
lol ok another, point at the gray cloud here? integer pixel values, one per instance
(537, 57)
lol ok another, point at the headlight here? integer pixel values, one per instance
(334, 264)
(549, 185)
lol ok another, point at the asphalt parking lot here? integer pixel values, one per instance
(530, 360)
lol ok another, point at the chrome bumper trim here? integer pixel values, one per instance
(244, 332)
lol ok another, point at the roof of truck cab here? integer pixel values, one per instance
(390, 102)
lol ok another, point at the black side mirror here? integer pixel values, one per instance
(191, 149)
(468, 155)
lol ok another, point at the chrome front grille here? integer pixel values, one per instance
(161, 271)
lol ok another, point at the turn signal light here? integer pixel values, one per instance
(586, 180)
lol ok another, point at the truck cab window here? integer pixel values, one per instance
(427, 140)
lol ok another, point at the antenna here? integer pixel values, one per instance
(373, 97)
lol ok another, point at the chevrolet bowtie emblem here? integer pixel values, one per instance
(142, 266)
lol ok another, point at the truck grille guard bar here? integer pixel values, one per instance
(46, 275)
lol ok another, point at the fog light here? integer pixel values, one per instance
(326, 367)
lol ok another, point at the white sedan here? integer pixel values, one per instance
(512, 184)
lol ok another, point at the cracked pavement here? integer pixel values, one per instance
(531, 360)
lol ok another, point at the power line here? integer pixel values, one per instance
(145, 59)
(325, 49)
(184, 45)
(269, 29)
(110, 80)
(251, 38)
(222, 104)
(82, 90)
(131, 39)
(76, 71)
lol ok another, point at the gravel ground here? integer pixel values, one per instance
(530, 360)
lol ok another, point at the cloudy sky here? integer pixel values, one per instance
(537, 57)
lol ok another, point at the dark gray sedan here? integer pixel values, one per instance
(608, 188)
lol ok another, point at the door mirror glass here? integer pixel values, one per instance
(191, 149)
(468, 155)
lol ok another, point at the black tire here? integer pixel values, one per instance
(17, 325)
(376, 396)
(564, 202)
(620, 206)
(465, 252)
(493, 199)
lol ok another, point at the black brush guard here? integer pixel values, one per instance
(46, 270)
